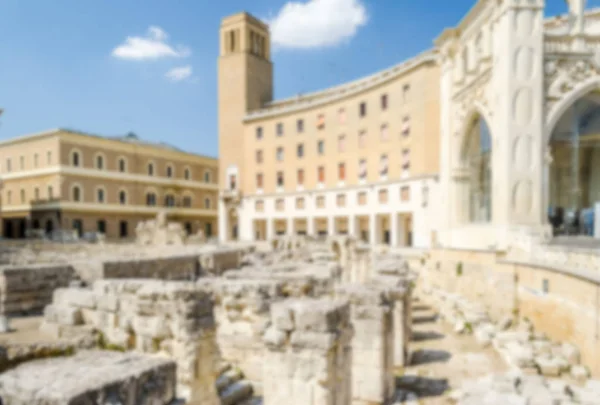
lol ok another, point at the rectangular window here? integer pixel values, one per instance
(321, 147)
(362, 110)
(259, 156)
(405, 194)
(300, 150)
(232, 182)
(383, 165)
(340, 200)
(321, 174)
(341, 143)
(362, 169)
(9, 197)
(342, 115)
(300, 126)
(36, 194)
(280, 129)
(384, 102)
(48, 157)
(406, 126)
(321, 121)
(50, 192)
(342, 171)
(406, 93)
(35, 160)
(279, 154)
(22, 163)
(299, 203)
(383, 196)
(300, 177)
(279, 179)
(362, 198)
(259, 181)
(405, 162)
(320, 201)
(8, 165)
(280, 204)
(362, 139)
(259, 133)
(385, 135)
(259, 206)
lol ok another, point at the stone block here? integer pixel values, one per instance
(117, 377)
(63, 315)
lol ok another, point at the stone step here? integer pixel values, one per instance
(236, 393)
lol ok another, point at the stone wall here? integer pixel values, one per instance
(308, 356)
(220, 260)
(163, 268)
(525, 289)
(28, 289)
(91, 377)
(150, 316)
(242, 313)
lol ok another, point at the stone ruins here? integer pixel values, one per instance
(293, 321)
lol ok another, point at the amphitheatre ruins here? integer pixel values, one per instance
(496, 309)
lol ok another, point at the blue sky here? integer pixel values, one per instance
(61, 65)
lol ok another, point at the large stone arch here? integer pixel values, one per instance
(579, 91)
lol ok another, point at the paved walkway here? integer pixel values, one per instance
(442, 360)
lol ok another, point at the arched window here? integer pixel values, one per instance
(150, 169)
(75, 159)
(99, 162)
(187, 202)
(169, 171)
(76, 194)
(150, 199)
(122, 197)
(574, 168)
(169, 200)
(207, 176)
(122, 165)
(100, 197)
(207, 203)
(478, 161)
(186, 174)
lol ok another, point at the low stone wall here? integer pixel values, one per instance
(220, 260)
(150, 316)
(26, 290)
(125, 378)
(162, 268)
(525, 289)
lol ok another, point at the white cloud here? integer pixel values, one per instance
(317, 23)
(179, 73)
(152, 46)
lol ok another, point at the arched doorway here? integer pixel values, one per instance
(574, 168)
(476, 162)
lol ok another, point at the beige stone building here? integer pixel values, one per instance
(360, 158)
(64, 179)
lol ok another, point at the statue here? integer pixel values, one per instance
(576, 15)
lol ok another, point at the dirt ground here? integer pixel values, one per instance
(441, 359)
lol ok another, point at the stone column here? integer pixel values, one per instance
(223, 225)
(308, 356)
(372, 229)
(394, 229)
(373, 378)
(331, 226)
(269, 229)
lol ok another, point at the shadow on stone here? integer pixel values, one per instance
(424, 319)
(422, 386)
(423, 336)
(420, 308)
(425, 356)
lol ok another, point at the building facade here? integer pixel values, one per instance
(64, 179)
(489, 138)
(361, 158)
